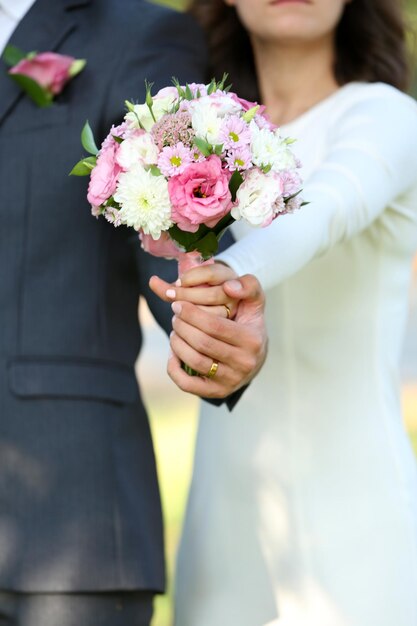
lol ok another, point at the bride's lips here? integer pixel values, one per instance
(279, 2)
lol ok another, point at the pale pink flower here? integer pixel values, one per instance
(112, 215)
(239, 159)
(103, 179)
(174, 159)
(262, 121)
(291, 182)
(200, 195)
(115, 131)
(95, 210)
(234, 133)
(162, 247)
(293, 204)
(279, 206)
(246, 105)
(198, 156)
(49, 69)
(166, 92)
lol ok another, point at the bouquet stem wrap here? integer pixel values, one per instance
(186, 262)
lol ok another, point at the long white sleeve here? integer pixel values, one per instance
(371, 160)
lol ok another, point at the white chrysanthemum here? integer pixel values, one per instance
(144, 201)
(141, 112)
(269, 149)
(256, 198)
(138, 148)
(206, 121)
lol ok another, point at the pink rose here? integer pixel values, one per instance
(164, 246)
(103, 179)
(50, 70)
(200, 195)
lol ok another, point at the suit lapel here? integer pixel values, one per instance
(44, 28)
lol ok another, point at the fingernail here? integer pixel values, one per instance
(171, 333)
(176, 307)
(236, 285)
(170, 355)
(178, 282)
(170, 293)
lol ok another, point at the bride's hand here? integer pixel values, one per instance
(202, 286)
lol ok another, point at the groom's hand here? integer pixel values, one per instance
(238, 346)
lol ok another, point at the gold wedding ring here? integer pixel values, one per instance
(228, 311)
(213, 370)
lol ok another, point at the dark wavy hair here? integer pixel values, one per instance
(370, 44)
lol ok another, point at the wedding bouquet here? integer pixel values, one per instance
(187, 163)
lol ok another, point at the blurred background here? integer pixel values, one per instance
(173, 414)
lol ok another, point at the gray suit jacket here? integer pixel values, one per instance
(79, 501)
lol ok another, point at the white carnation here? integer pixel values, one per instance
(142, 114)
(137, 148)
(144, 201)
(257, 197)
(269, 149)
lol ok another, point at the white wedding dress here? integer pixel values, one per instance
(303, 505)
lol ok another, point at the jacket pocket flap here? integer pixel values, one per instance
(36, 378)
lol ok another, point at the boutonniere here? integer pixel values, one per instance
(43, 75)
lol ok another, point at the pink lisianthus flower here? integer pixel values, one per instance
(200, 195)
(163, 247)
(103, 179)
(234, 133)
(239, 159)
(174, 159)
(49, 69)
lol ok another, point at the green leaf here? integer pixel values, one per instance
(212, 87)
(87, 140)
(222, 225)
(249, 115)
(38, 94)
(218, 149)
(178, 87)
(155, 171)
(222, 84)
(117, 139)
(203, 145)
(188, 93)
(77, 67)
(12, 55)
(266, 168)
(208, 246)
(84, 167)
(234, 183)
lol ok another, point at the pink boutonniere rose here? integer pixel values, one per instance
(41, 75)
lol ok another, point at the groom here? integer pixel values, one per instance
(80, 518)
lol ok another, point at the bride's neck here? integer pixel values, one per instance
(293, 78)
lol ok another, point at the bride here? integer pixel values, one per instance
(303, 505)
